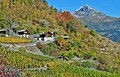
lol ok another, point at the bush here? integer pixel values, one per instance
(87, 64)
(79, 54)
(43, 48)
(61, 42)
(72, 27)
(76, 45)
(61, 23)
(69, 54)
(89, 54)
(46, 49)
(93, 33)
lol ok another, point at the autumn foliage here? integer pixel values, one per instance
(14, 40)
(65, 16)
(61, 42)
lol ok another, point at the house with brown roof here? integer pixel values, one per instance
(46, 36)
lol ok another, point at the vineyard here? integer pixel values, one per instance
(14, 40)
(56, 68)
(24, 60)
(64, 69)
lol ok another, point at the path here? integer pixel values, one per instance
(41, 68)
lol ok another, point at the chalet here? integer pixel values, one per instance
(4, 32)
(47, 36)
(23, 33)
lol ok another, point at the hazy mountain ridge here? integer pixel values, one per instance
(99, 21)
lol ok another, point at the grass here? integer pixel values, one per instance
(14, 40)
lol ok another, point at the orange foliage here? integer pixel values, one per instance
(77, 24)
(65, 16)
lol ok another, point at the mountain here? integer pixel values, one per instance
(106, 25)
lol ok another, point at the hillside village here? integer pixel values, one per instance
(40, 37)
(36, 40)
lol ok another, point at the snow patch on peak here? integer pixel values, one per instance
(86, 7)
(79, 8)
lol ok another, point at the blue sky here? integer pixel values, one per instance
(109, 7)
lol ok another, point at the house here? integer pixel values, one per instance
(4, 32)
(23, 33)
(47, 36)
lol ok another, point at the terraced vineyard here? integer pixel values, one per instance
(55, 67)
(14, 40)
(24, 60)
(64, 69)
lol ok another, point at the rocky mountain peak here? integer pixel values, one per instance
(90, 13)
(107, 26)
(85, 8)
